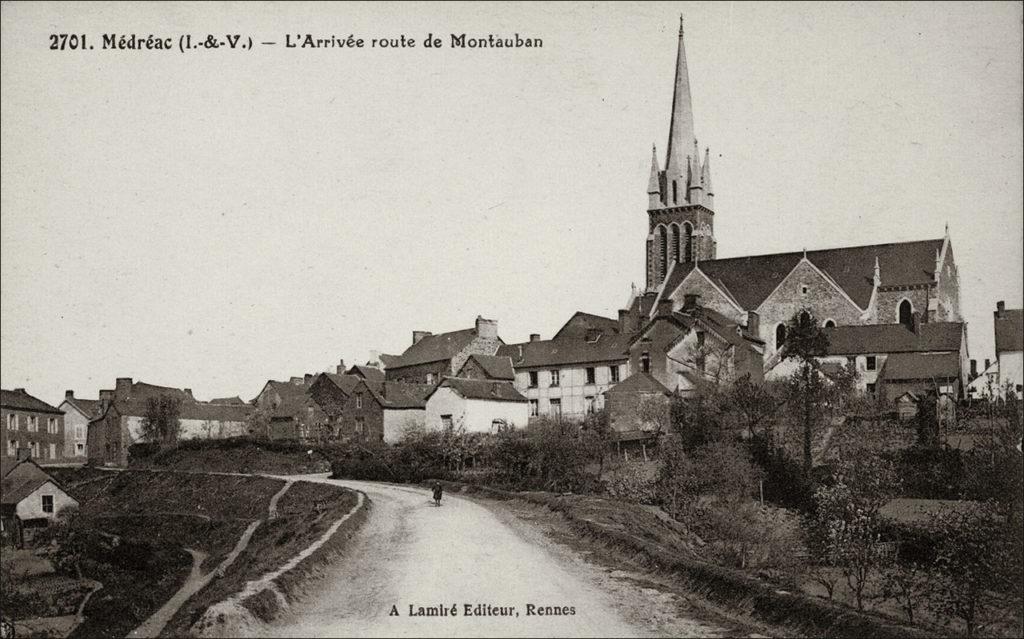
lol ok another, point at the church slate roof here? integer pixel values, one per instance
(921, 366)
(1010, 330)
(433, 348)
(20, 400)
(894, 338)
(751, 279)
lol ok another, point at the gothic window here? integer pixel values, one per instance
(675, 192)
(687, 242)
(780, 336)
(662, 253)
(675, 242)
(830, 323)
(906, 312)
(645, 362)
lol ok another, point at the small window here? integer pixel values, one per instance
(780, 336)
(556, 408)
(80, 449)
(446, 421)
(804, 289)
(47, 503)
(360, 425)
(359, 400)
(871, 362)
(555, 377)
(613, 373)
(533, 379)
(534, 408)
(645, 362)
(53, 451)
(871, 389)
(430, 378)
(12, 421)
(830, 323)
(589, 403)
(591, 375)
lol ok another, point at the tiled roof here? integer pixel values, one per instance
(433, 348)
(21, 481)
(495, 366)
(371, 373)
(346, 383)
(1010, 330)
(581, 322)
(921, 366)
(136, 403)
(482, 389)
(639, 382)
(894, 338)
(751, 279)
(400, 395)
(20, 400)
(568, 350)
(88, 407)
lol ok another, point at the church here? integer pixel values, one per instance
(900, 283)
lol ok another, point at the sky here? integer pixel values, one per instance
(216, 218)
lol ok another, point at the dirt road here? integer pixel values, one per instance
(412, 557)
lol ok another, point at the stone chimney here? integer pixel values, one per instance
(664, 307)
(106, 396)
(295, 380)
(534, 337)
(753, 323)
(188, 393)
(123, 386)
(307, 379)
(1000, 309)
(974, 369)
(69, 394)
(691, 301)
(488, 329)
(340, 368)
(623, 320)
(418, 335)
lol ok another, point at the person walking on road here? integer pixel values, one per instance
(437, 493)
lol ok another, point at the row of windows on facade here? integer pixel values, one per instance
(591, 373)
(12, 449)
(555, 407)
(32, 423)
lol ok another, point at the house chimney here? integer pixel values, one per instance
(1000, 308)
(623, 320)
(486, 328)
(123, 386)
(418, 335)
(69, 394)
(20, 390)
(753, 323)
(664, 306)
(188, 393)
(690, 301)
(295, 380)
(307, 378)
(974, 369)
(340, 369)
(534, 337)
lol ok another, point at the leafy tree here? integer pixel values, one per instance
(754, 407)
(161, 422)
(905, 584)
(977, 567)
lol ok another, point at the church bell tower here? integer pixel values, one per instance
(680, 207)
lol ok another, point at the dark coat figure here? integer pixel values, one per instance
(437, 493)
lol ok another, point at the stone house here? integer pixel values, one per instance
(288, 410)
(431, 357)
(637, 409)
(478, 406)
(682, 348)
(30, 423)
(367, 409)
(565, 377)
(78, 413)
(120, 423)
(1008, 324)
(29, 499)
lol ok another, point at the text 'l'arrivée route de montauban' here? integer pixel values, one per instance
(455, 41)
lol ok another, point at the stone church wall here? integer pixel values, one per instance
(710, 297)
(888, 304)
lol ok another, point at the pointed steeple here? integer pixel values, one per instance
(680, 134)
(654, 183)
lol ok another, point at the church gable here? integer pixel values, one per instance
(805, 288)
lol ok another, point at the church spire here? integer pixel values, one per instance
(654, 183)
(680, 134)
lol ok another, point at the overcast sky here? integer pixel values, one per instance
(217, 218)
